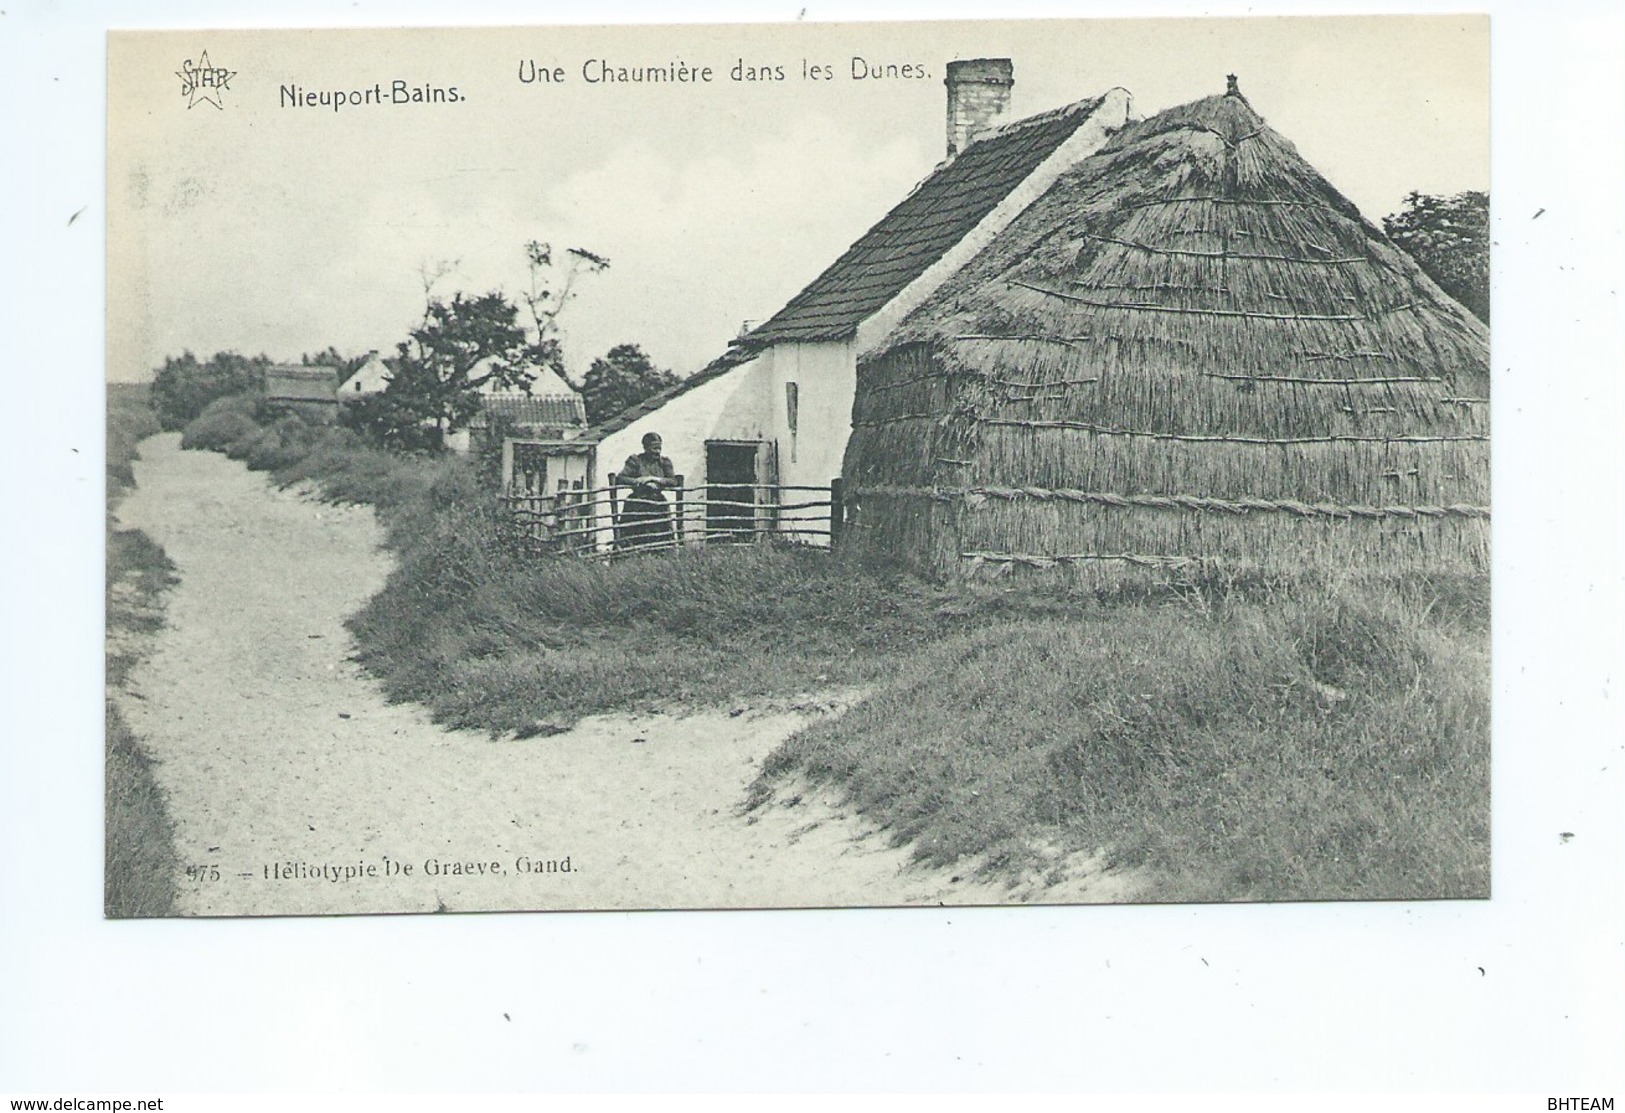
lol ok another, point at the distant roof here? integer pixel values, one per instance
(370, 363)
(533, 411)
(543, 380)
(298, 383)
(938, 214)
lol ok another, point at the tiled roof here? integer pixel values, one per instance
(533, 411)
(938, 214)
(285, 383)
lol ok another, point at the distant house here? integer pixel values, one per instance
(540, 420)
(370, 378)
(540, 434)
(776, 408)
(548, 411)
(308, 390)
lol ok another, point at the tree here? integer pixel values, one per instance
(1449, 237)
(469, 343)
(390, 420)
(620, 380)
(461, 346)
(548, 293)
(183, 386)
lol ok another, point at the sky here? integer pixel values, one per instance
(260, 226)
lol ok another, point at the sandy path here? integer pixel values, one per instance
(280, 755)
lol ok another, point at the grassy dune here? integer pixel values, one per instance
(1262, 741)
(140, 866)
(1332, 743)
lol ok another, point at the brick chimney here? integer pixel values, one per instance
(978, 98)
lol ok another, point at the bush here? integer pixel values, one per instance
(398, 485)
(489, 635)
(139, 861)
(130, 420)
(387, 420)
(281, 444)
(223, 422)
(184, 387)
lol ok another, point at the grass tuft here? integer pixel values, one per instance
(140, 863)
(140, 866)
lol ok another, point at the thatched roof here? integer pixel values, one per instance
(301, 383)
(1190, 339)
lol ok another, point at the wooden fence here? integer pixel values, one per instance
(610, 521)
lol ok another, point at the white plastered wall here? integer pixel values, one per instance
(370, 378)
(732, 406)
(825, 375)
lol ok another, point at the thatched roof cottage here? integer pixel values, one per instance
(1191, 352)
(307, 389)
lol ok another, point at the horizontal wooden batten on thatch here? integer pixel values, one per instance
(1189, 353)
(974, 497)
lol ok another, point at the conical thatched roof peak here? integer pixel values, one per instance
(1230, 148)
(1203, 209)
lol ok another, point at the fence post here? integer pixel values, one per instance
(837, 510)
(680, 482)
(614, 514)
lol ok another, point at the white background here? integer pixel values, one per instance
(1522, 992)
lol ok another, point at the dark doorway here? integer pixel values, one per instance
(730, 493)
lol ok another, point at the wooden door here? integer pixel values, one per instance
(767, 481)
(730, 491)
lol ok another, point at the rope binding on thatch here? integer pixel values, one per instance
(1376, 380)
(1252, 314)
(1345, 357)
(1202, 438)
(1228, 142)
(1031, 560)
(1281, 201)
(1334, 261)
(974, 497)
(992, 380)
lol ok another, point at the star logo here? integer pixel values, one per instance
(202, 82)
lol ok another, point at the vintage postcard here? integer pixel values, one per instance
(813, 465)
